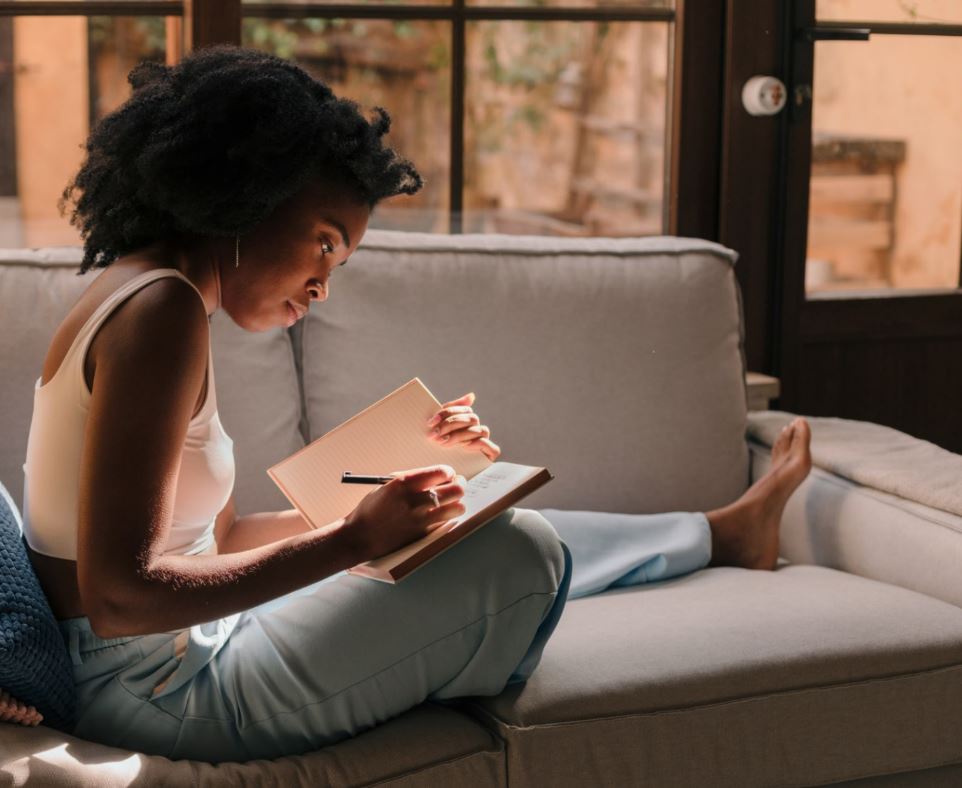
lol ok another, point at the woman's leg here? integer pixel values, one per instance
(611, 550)
(348, 653)
(353, 652)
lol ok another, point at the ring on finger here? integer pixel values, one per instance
(435, 502)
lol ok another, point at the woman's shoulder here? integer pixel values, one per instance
(152, 302)
(164, 316)
(167, 310)
(152, 354)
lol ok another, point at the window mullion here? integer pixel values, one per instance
(208, 22)
(458, 71)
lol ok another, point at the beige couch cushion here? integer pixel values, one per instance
(257, 390)
(260, 405)
(801, 676)
(875, 456)
(834, 522)
(427, 746)
(645, 396)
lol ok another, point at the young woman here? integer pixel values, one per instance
(236, 181)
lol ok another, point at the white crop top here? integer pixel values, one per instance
(205, 477)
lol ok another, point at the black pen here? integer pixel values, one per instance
(349, 478)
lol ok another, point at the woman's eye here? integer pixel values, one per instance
(327, 247)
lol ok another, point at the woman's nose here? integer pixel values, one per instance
(317, 290)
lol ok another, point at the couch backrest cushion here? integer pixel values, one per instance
(617, 363)
(259, 398)
(257, 390)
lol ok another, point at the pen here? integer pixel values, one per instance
(349, 478)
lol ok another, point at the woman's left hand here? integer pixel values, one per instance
(457, 425)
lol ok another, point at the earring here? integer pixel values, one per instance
(237, 253)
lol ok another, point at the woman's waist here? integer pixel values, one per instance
(58, 579)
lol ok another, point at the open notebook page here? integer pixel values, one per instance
(484, 489)
(390, 435)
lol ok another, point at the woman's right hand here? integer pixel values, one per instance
(402, 510)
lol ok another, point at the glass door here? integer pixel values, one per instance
(871, 312)
(885, 190)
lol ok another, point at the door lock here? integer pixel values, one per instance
(764, 95)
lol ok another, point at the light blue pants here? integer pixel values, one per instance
(342, 655)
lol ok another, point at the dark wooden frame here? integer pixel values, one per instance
(8, 137)
(95, 8)
(751, 189)
(692, 144)
(695, 127)
(851, 355)
(795, 163)
(206, 22)
(934, 314)
(459, 14)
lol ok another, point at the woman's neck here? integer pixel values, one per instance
(199, 262)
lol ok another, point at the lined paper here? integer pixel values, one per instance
(390, 435)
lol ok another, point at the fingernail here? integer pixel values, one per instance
(434, 420)
(444, 439)
(436, 431)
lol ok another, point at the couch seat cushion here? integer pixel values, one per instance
(801, 676)
(427, 746)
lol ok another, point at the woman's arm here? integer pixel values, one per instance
(149, 374)
(176, 591)
(235, 534)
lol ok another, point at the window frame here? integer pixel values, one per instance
(695, 56)
(843, 322)
(809, 28)
(458, 13)
(879, 315)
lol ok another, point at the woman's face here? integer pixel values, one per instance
(287, 260)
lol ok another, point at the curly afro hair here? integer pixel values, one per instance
(212, 145)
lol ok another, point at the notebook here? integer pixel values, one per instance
(392, 435)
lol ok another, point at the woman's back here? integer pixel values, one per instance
(58, 429)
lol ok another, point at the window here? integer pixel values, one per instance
(546, 117)
(885, 207)
(58, 76)
(542, 119)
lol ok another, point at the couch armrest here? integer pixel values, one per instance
(834, 522)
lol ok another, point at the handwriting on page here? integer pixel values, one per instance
(482, 482)
(491, 484)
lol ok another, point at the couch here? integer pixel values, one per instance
(619, 364)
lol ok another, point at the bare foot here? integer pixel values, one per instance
(745, 533)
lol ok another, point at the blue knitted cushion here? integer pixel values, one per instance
(34, 665)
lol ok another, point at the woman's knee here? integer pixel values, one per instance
(530, 545)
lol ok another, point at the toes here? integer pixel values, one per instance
(784, 439)
(802, 432)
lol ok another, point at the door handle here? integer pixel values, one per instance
(825, 33)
